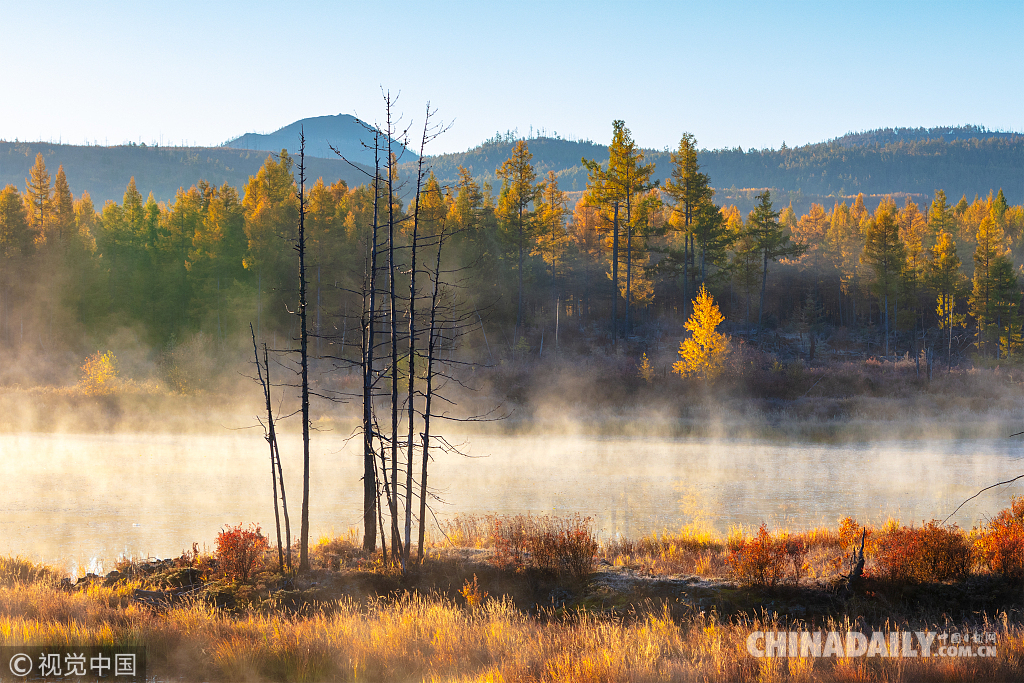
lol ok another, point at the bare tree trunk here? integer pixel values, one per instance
(371, 514)
(304, 354)
(412, 347)
(431, 347)
(271, 438)
(393, 498)
(629, 268)
(615, 278)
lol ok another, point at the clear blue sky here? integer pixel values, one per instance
(753, 74)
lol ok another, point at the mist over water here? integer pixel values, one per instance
(82, 500)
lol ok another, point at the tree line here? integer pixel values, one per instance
(625, 259)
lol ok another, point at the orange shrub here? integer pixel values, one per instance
(562, 545)
(760, 560)
(932, 553)
(241, 551)
(1001, 544)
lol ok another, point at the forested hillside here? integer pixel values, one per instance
(104, 172)
(964, 161)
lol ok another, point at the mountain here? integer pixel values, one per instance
(345, 133)
(885, 136)
(966, 160)
(104, 171)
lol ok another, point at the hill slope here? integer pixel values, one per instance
(345, 133)
(962, 161)
(104, 171)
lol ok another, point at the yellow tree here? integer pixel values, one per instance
(38, 199)
(705, 351)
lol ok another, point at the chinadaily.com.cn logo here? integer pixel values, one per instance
(877, 644)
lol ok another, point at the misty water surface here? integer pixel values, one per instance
(87, 499)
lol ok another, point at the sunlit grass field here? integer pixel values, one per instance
(423, 630)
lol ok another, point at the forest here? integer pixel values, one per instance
(534, 267)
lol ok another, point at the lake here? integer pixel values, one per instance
(82, 500)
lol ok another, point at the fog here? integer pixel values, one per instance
(80, 501)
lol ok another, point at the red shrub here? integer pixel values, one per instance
(240, 551)
(562, 545)
(931, 553)
(760, 560)
(1001, 545)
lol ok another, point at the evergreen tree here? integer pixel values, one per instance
(990, 246)
(624, 184)
(38, 199)
(1006, 295)
(885, 253)
(518, 192)
(62, 228)
(772, 243)
(15, 237)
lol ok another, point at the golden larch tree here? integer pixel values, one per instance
(705, 351)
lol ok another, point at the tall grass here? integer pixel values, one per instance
(412, 638)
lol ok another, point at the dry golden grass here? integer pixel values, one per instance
(414, 638)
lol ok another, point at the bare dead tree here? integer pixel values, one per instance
(275, 459)
(304, 358)
(432, 339)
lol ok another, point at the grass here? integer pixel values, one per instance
(460, 618)
(430, 638)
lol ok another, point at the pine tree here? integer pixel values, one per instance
(690, 191)
(1006, 295)
(940, 216)
(990, 246)
(885, 253)
(15, 238)
(38, 199)
(619, 189)
(518, 192)
(771, 241)
(705, 351)
(62, 228)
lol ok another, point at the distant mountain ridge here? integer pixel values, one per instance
(104, 172)
(965, 160)
(344, 132)
(885, 136)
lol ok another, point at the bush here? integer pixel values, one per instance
(1001, 544)
(241, 551)
(760, 560)
(931, 553)
(565, 546)
(99, 374)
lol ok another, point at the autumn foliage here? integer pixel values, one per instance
(240, 551)
(565, 546)
(704, 352)
(1000, 546)
(760, 560)
(927, 553)
(99, 374)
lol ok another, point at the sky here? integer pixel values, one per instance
(749, 74)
